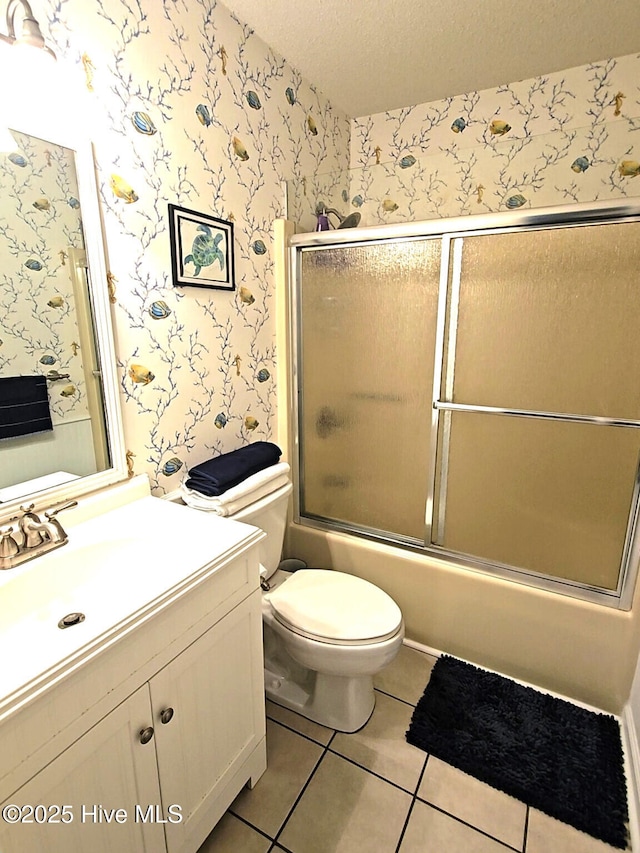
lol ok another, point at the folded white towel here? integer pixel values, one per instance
(236, 498)
(202, 502)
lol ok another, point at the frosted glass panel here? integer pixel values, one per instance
(547, 496)
(535, 319)
(549, 321)
(368, 319)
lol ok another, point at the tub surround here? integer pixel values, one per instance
(171, 645)
(580, 650)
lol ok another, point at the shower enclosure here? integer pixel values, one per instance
(471, 389)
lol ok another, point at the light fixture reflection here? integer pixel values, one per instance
(31, 37)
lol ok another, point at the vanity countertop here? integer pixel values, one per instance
(119, 568)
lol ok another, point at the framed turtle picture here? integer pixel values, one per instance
(201, 249)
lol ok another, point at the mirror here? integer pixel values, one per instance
(60, 423)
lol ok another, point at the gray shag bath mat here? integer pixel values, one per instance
(563, 760)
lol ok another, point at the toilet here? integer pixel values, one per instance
(326, 633)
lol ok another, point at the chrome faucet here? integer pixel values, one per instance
(33, 535)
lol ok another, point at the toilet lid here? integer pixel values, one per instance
(335, 606)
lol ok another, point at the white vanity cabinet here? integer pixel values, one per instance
(214, 742)
(145, 746)
(65, 806)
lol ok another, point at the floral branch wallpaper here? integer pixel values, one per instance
(188, 107)
(39, 223)
(568, 137)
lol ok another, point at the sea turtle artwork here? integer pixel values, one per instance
(205, 251)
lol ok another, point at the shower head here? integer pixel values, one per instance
(349, 221)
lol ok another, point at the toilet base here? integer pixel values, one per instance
(334, 701)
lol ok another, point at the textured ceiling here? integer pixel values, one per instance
(368, 56)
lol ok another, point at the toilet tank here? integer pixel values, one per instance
(269, 514)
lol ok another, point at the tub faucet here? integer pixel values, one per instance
(33, 536)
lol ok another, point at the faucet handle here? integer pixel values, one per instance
(52, 514)
(8, 545)
(60, 534)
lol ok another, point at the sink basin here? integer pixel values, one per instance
(114, 568)
(40, 590)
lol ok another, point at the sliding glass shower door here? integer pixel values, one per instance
(367, 328)
(476, 395)
(541, 400)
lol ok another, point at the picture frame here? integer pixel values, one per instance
(202, 251)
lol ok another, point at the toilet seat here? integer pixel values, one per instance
(335, 607)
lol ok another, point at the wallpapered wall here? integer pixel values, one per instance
(39, 221)
(568, 137)
(186, 106)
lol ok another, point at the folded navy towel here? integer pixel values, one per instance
(24, 406)
(216, 475)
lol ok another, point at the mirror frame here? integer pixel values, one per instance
(92, 229)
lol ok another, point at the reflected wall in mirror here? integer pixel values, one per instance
(50, 326)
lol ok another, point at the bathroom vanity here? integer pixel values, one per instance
(134, 728)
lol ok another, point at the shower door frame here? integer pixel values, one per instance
(450, 231)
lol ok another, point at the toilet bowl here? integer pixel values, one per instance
(326, 633)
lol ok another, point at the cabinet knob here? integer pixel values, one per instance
(146, 734)
(166, 715)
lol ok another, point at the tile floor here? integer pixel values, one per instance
(371, 792)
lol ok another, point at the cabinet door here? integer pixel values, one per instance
(107, 769)
(216, 691)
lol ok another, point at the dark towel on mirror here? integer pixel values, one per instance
(215, 476)
(24, 406)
